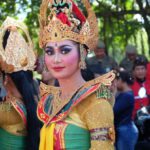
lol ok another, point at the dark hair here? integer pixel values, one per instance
(139, 61)
(25, 85)
(24, 82)
(125, 77)
(6, 35)
(87, 74)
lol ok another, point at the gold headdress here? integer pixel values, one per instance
(18, 53)
(65, 21)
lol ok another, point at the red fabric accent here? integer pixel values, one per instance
(141, 101)
(148, 71)
(20, 111)
(40, 110)
(63, 18)
(78, 13)
(59, 136)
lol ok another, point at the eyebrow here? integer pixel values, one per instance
(58, 47)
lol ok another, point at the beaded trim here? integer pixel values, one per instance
(103, 134)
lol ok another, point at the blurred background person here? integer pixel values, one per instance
(101, 63)
(141, 85)
(126, 131)
(141, 90)
(131, 54)
(148, 71)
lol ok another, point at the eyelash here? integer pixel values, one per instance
(62, 51)
(65, 50)
(49, 52)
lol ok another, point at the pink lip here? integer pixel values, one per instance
(58, 68)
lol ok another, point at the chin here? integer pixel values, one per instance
(60, 76)
(119, 89)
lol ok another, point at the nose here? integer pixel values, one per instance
(57, 58)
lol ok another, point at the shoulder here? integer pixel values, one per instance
(124, 60)
(135, 85)
(102, 90)
(90, 93)
(93, 100)
(105, 80)
(110, 58)
(47, 89)
(126, 96)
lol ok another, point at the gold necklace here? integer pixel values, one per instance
(59, 102)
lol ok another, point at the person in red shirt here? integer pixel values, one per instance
(141, 85)
(148, 71)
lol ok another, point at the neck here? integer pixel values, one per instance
(49, 82)
(126, 88)
(69, 85)
(140, 80)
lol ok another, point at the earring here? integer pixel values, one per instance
(45, 67)
(82, 63)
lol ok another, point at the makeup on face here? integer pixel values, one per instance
(62, 58)
(64, 49)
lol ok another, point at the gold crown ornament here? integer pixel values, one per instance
(18, 53)
(62, 19)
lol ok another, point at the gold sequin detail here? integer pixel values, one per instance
(18, 53)
(52, 29)
(98, 113)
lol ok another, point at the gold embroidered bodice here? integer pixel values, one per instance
(10, 120)
(91, 109)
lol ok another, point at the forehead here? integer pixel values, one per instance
(131, 54)
(140, 67)
(60, 43)
(100, 49)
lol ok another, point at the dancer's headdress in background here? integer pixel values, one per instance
(18, 52)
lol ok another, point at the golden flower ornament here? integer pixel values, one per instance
(18, 53)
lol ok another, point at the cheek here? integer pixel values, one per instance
(47, 60)
(135, 72)
(144, 72)
(118, 83)
(72, 60)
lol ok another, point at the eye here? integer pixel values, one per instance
(49, 51)
(65, 50)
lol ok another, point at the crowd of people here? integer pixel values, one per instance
(132, 95)
(79, 102)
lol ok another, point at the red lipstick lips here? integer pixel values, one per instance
(58, 68)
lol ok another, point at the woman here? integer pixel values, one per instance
(19, 126)
(77, 114)
(126, 131)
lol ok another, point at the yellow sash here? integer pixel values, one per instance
(47, 137)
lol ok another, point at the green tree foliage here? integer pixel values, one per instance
(117, 23)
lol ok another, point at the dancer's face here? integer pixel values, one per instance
(62, 58)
